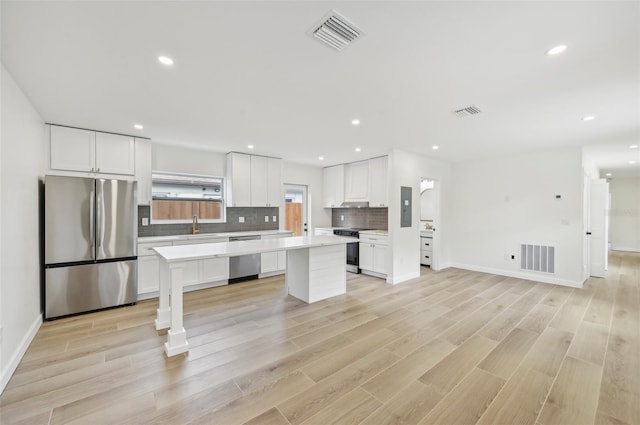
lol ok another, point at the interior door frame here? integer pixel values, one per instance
(437, 243)
(306, 215)
(598, 234)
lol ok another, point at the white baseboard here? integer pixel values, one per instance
(403, 278)
(521, 275)
(625, 248)
(17, 355)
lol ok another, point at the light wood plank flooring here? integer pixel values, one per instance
(454, 347)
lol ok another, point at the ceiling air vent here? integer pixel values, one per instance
(469, 110)
(336, 31)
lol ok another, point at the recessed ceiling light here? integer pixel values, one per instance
(358, 149)
(556, 50)
(633, 147)
(435, 147)
(250, 146)
(321, 158)
(588, 118)
(355, 121)
(138, 126)
(608, 174)
(165, 60)
(632, 162)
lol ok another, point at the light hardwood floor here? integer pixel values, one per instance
(453, 347)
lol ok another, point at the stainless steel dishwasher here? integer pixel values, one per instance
(244, 267)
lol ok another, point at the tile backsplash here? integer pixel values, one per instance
(366, 218)
(253, 220)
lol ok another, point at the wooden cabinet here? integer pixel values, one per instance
(378, 192)
(74, 149)
(253, 181)
(356, 182)
(333, 186)
(373, 254)
(266, 181)
(273, 263)
(143, 170)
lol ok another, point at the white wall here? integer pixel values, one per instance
(427, 205)
(187, 160)
(624, 216)
(311, 177)
(23, 141)
(406, 169)
(500, 203)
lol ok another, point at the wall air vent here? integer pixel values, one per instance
(469, 110)
(336, 31)
(537, 258)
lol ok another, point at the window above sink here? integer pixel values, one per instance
(178, 198)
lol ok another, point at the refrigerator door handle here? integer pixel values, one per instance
(99, 217)
(92, 223)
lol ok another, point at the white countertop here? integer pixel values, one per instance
(427, 233)
(375, 232)
(232, 249)
(148, 239)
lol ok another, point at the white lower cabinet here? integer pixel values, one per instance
(273, 263)
(196, 274)
(426, 250)
(372, 254)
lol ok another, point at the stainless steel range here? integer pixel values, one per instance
(353, 262)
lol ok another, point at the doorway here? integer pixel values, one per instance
(295, 209)
(430, 220)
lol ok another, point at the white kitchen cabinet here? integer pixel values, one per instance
(196, 274)
(333, 186)
(143, 170)
(238, 180)
(253, 181)
(378, 193)
(115, 154)
(356, 181)
(273, 263)
(74, 149)
(372, 255)
(266, 181)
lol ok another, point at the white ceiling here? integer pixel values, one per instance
(248, 73)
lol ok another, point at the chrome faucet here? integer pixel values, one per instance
(194, 226)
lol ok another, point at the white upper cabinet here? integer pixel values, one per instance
(266, 181)
(356, 182)
(238, 180)
(333, 186)
(378, 194)
(115, 154)
(143, 170)
(74, 149)
(253, 181)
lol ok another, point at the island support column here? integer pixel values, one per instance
(171, 295)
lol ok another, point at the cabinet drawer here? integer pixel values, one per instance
(376, 240)
(426, 243)
(425, 259)
(146, 249)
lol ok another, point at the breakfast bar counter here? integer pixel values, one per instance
(316, 270)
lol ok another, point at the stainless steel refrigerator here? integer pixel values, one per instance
(90, 244)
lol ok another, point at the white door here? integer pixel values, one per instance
(599, 195)
(295, 209)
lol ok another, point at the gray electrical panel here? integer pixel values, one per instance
(405, 207)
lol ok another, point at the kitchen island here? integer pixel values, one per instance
(316, 270)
